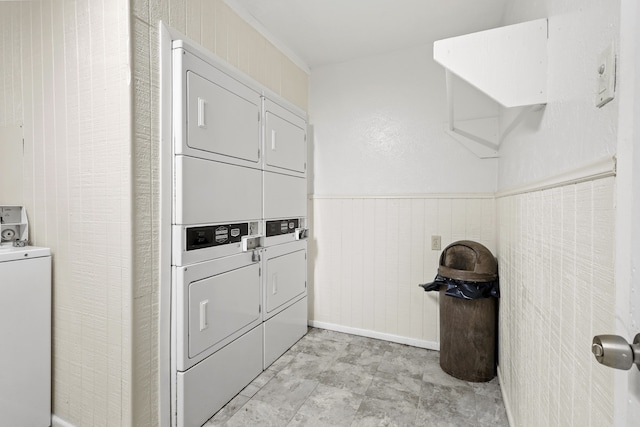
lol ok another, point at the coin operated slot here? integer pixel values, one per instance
(252, 242)
(215, 235)
(282, 226)
(302, 233)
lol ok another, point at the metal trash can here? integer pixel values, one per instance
(468, 284)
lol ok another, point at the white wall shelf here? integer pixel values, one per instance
(508, 64)
(14, 226)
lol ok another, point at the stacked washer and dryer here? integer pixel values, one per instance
(239, 254)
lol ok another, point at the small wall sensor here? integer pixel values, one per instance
(606, 76)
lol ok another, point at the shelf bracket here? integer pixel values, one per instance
(521, 115)
(452, 127)
(508, 64)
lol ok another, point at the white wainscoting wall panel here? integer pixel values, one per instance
(368, 254)
(556, 261)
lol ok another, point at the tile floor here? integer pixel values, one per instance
(333, 379)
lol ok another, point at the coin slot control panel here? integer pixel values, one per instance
(282, 226)
(215, 235)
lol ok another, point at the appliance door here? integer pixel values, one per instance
(221, 115)
(285, 275)
(208, 192)
(285, 196)
(285, 140)
(217, 301)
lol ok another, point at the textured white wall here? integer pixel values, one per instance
(11, 165)
(218, 28)
(556, 260)
(64, 77)
(571, 131)
(378, 129)
(11, 103)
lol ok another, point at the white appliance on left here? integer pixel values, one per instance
(25, 327)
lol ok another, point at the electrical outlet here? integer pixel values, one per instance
(436, 243)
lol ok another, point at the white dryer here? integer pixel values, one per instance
(285, 162)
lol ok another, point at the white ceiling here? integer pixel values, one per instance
(321, 32)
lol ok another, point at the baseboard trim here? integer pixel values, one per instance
(56, 421)
(430, 345)
(505, 400)
(403, 196)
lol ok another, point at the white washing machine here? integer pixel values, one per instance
(25, 336)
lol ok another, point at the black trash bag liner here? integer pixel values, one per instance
(463, 289)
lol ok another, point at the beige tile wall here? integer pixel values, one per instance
(556, 260)
(215, 26)
(64, 77)
(368, 255)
